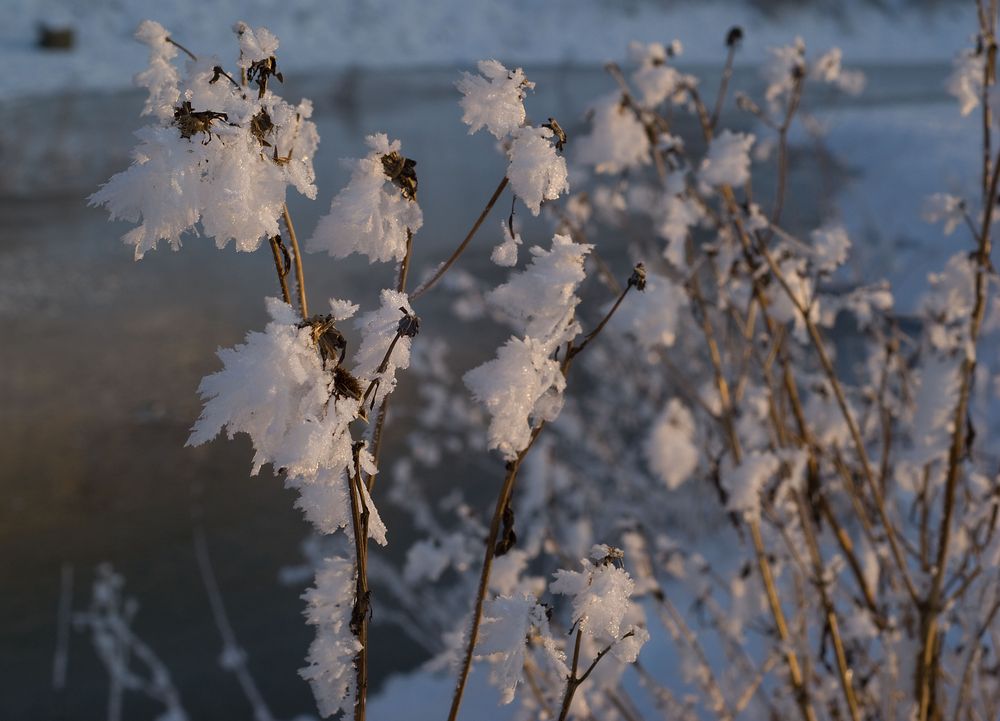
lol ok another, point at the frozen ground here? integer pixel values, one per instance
(335, 34)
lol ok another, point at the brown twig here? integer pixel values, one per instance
(383, 410)
(182, 48)
(281, 263)
(299, 277)
(427, 285)
(360, 613)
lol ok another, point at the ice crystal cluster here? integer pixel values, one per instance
(523, 385)
(495, 100)
(369, 216)
(220, 157)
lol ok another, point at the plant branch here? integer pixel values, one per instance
(281, 265)
(182, 48)
(464, 244)
(383, 410)
(299, 277)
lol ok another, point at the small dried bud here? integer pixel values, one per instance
(401, 172)
(611, 555)
(345, 385)
(557, 130)
(328, 339)
(261, 125)
(745, 103)
(260, 71)
(409, 324)
(734, 36)
(638, 277)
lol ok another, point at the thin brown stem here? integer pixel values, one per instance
(383, 410)
(182, 48)
(281, 261)
(464, 244)
(573, 682)
(727, 74)
(360, 613)
(576, 350)
(299, 277)
(932, 606)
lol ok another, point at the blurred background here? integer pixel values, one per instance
(100, 356)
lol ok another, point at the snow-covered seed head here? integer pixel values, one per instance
(409, 324)
(191, 122)
(606, 555)
(401, 172)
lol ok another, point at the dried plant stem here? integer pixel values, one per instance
(182, 48)
(383, 409)
(727, 74)
(281, 263)
(767, 576)
(779, 193)
(844, 671)
(573, 682)
(299, 277)
(503, 501)
(360, 613)
(464, 244)
(774, 602)
(932, 607)
(576, 350)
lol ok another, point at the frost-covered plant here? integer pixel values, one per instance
(845, 475)
(220, 155)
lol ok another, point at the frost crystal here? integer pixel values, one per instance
(275, 389)
(495, 99)
(507, 623)
(830, 248)
(378, 329)
(523, 384)
(656, 80)
(330, 604)
(745, 482)
(161, 77)
(370, 216)
(966, 80)
(943, 207)
(536, 172)
(540, 300)
(670, 448)
(255, 45)
(505, 254)
(728, 160)
(520, 387)
(617, 140)
(211, 159)
(601, 596)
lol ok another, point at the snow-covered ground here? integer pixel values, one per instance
(335, 34)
